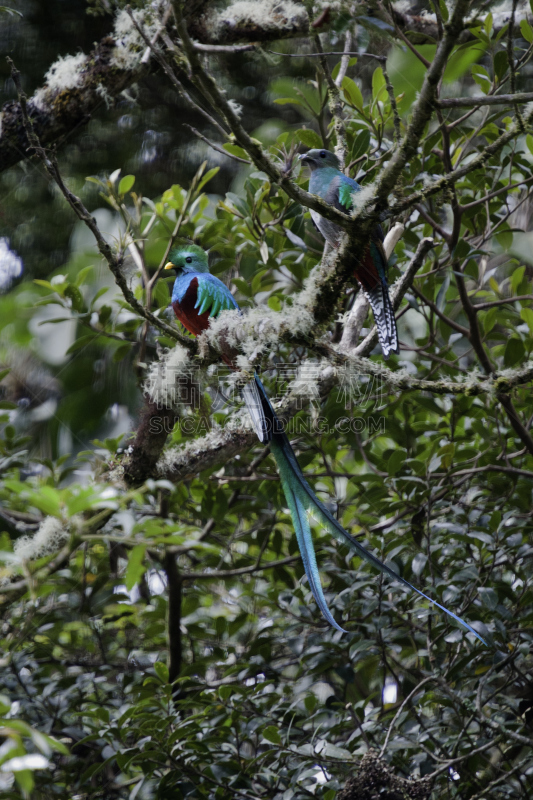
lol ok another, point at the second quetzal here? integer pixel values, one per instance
(198, 296)
(336, 188)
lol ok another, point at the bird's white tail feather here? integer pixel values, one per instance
(385, 320)
(252, 400)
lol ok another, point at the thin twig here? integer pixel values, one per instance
(228, 573)
(335, 106)
(170, 72)
(174, 580)
(328, 53)
(484, 100)
(345, 60)
(215, 146)
(512, 68)
(224, 48)
(394, 106)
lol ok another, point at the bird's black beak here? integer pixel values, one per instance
(305, 158)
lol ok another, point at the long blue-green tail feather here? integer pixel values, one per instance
(303, 531)
(302, 500)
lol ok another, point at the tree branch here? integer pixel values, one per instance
(221, 574)
(174, 616)
(423, 107)
(335, 105)
(451, 178)
(485, 100)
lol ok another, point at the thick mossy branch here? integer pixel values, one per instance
(75, 88)
(76, 85)
(248, 21)
(220, 445)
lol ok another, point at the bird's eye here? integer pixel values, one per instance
(188, 260)
(322, 154)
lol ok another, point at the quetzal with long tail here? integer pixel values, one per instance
(336, 188)
(198, 296)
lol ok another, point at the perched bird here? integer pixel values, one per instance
(333, 186)
(197, 296)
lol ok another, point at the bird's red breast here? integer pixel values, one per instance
(367, 273)
(187, 314)
(190, 318)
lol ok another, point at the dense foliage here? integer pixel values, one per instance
(107, 585)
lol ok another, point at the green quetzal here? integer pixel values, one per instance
(333, 186)
(197, 296)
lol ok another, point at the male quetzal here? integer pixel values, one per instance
(333, 186)
(197, 296)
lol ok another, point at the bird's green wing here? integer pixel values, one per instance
(345, 195)
(213, 296)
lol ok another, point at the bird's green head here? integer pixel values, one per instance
(318, 159)
(188, 258)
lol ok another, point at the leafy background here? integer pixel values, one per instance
(269, 701)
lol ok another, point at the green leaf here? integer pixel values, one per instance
(481, 77)
(514, 351)
(283, 101)
(47, 500)
(85, 499)
(505, 239)
(5, 705)
(82, 275)
(501, 64)
(235, 150)
(24, 778)
(308, 137)
(238, 202)
(395, 462)
(310, 703)
(75, 296)
(11, 11)
(526, 30)
(361, 145)
(378, 85)
(516, 278)
(270, 733)
(441, 296)
(489, 597)
(208, 176)
(242, 286)
(161, 670)
(121, 352)
(494, 285)
(352, 92)
(126, 183)
(489, 320)
(162, 294)
(82, 341)
(135, 569)
(527, 315)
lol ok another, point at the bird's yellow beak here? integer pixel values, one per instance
(169, 265)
